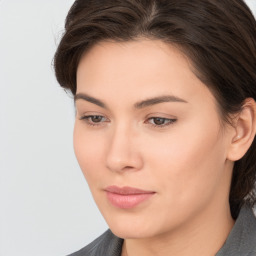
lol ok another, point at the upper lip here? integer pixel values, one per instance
(127, 190)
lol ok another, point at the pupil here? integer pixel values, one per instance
(159, 121)
(96, 119)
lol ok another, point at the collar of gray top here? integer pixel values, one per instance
(240, 242)
(242, 238)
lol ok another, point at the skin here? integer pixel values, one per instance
(187, 162)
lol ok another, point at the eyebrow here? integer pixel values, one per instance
(83, 96)
(138, 105)
(157, 100)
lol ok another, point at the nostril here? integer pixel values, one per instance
(128, 168)
(126, 164)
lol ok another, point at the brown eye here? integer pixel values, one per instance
(159, 120)
(96, 119)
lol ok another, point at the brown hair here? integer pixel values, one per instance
(218, 36)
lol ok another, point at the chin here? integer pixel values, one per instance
(130, 232)
(132, 227)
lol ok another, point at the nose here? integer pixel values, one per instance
(123, 151)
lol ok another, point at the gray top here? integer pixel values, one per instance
(240, 242)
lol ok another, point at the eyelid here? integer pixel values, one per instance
(169, 118)
(81, 113)
(161, 126)
(86, 118)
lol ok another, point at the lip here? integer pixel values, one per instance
(127, 197)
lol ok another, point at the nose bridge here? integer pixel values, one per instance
(122, 151)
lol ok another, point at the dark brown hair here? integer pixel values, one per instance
(218, 36)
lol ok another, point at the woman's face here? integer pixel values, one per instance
(148, 138)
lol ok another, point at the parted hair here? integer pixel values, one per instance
(217, 36)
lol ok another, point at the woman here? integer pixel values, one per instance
(165, 122)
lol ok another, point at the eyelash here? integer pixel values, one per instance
(90, 123)
(169, 120)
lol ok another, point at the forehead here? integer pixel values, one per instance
(145, 54)
(138, 69)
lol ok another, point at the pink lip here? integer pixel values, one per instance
(127, 197)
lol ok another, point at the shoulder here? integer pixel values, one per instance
(242, 239)
(105, 245)
(247, 236)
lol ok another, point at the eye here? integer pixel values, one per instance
(160, 122)
(94, 120)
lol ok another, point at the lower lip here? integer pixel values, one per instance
(127, 201)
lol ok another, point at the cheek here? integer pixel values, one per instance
(188, 161)
(89, 152)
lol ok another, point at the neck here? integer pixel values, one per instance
(202, 236)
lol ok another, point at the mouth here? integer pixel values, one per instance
(127, 197)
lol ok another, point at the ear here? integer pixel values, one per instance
(245, 130)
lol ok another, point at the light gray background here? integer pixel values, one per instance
(45, 206)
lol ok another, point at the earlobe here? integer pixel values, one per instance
(245, 129)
